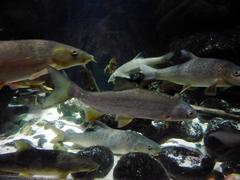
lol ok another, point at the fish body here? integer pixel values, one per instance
(133, 66)
(198, 72)
(137, 103)
(31, 161)
(27, 59)
(119, 141)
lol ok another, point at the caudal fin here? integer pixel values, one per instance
(148, 71)
(62, 88)
(168, 56)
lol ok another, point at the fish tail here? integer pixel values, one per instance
(64, 89)
(148, 71)
(167, 56)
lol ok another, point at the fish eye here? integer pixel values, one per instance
(236, 73)
(74, 53)
(149, 147)
(191, 114)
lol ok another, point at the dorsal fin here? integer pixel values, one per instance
(139, 55)
(23, 145)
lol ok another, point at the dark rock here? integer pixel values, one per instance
(221, 149)
(222, 140)
(138, 166)
(101, 155)
(230, 167)
(162, 131)
(219, 123)
(185, 163)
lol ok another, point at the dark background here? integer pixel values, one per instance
(123, 28)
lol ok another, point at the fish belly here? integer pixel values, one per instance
(14, 71)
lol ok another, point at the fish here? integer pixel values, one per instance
(29, 161)
(111, 66)
(27, 59)
(197, 72)
(125, 104)
(120, 142)
(125, 70)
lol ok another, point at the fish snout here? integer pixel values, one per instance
(86, 58)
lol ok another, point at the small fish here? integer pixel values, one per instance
(111, 67)
(133, 66)
(198, 72)
(119, 141)
(126, 104)
(27, 59)
(29, 161)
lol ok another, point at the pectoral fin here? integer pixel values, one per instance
(38, 74)
(123, 121)
(211, 90)
(22, 145)
(185, 88)
(148, 71)
(91, 114)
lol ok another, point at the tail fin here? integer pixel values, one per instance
(148, 71)
(62, 90)
(168, 56)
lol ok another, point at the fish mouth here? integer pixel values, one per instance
(89, 58)
(155, 154)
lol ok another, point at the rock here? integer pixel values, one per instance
(138, 166)
(222, 140)
(220, 123)
(223, 145)
(72, 110)
(162, 131)
(230, 167)
(101, 155)
(185, 163)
